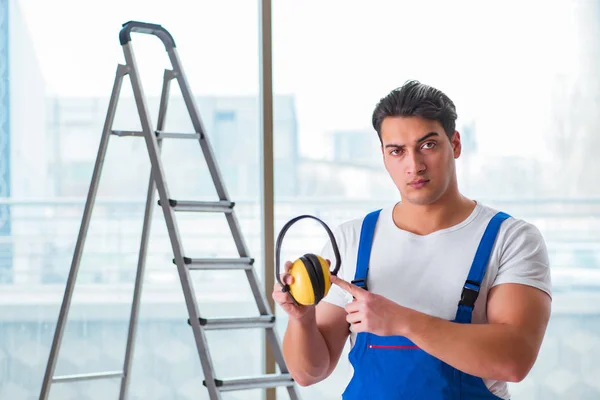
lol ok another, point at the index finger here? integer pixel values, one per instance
(348, 287)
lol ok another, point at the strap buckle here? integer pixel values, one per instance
(469, 295)
(361, 283)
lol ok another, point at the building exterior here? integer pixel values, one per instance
(75, 125)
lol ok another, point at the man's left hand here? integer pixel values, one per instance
(370, 312)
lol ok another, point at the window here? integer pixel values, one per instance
(61, 74)
(527, 104)
(527, 101)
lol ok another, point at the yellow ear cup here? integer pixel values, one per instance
(302, 289)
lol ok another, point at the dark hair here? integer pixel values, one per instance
(415, 99)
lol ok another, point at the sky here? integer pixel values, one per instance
(497, 61)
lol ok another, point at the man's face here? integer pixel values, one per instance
(419, 157)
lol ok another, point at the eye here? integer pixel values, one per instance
(429, 145)
(395, 152)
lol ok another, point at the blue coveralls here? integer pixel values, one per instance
(392, 367)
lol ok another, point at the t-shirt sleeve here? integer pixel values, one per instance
(524, 258)
(336, 295)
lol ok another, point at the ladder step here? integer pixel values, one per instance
(88, 377)
(201, 206)
(159, 134)
(127, 133)
(263, 321)
(218, 263)
(171, 135)
(258, 382)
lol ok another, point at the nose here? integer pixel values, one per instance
(415, 164)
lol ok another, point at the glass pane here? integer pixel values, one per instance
(63, 62)
(527, 100)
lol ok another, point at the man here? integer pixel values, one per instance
(450, 299)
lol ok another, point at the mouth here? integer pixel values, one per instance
(419, 183)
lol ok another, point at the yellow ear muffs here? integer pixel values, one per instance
(310, 272)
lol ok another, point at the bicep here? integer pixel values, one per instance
(331, 320)
(524, 307)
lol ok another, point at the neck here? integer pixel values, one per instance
(449, 210)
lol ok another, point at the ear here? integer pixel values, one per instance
(456, 144)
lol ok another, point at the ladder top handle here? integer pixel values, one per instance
(144, 27)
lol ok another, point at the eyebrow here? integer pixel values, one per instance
(430, 134)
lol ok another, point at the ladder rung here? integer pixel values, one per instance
(88, 377)
(218, 263)
(171, 135)
(159, 134)
(201, 206)
(127, 133)
(259, 382)
(263, 321)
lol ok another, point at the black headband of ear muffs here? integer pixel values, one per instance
(287, 226)
(316, 277)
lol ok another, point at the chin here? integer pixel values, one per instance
(420, 200)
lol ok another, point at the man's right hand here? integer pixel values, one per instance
(284, 299)
(315, 335)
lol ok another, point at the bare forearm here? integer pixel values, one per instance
(306, 352)
(492, 351)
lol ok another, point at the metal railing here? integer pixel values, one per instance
(43, 233)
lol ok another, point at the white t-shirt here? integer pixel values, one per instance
(427, 272)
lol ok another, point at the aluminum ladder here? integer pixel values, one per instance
(154, 138)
